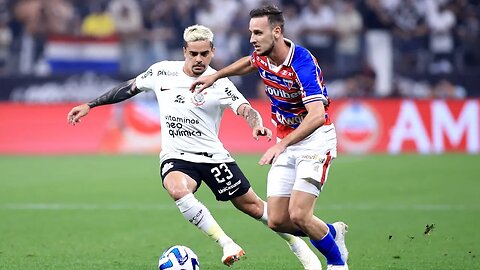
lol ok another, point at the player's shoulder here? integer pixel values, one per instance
(303, 57)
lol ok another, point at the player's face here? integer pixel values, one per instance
(261, 36)
(198, 55)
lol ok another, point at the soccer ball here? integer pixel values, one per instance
(178, 258)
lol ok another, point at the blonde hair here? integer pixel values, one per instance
(197, 33)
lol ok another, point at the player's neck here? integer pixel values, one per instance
(189, 72)
(279, 53)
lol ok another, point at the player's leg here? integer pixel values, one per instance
(280, 180)
(252, 205)
(312, 172)
(301, 214)
(288, 174)
(327, 238)
(181, 186)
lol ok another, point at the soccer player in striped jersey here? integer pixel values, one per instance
(306, 138)
(191, 152)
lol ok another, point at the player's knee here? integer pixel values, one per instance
(177, 193)
(298, 218)
(276, 225)
(256, 211)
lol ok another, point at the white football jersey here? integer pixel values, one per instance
(190, 122)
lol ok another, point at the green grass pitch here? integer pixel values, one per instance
(111, 212)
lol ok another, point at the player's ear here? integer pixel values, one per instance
(277, 31)
(213, 51)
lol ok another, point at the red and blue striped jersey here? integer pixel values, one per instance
(292, 85)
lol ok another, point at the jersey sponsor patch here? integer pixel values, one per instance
(147, 73)
(231, 94)
(163, 72)
(179, 99)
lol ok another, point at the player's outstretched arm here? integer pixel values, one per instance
(119, 93)
(254, 120)
(240, 67)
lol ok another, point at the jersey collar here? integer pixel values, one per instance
(288, 60)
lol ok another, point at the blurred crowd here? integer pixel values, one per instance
(370, 47)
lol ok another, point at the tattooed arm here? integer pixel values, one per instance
(119, 93)
(254, 120)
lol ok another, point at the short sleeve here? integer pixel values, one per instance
(145, 81)
(232, 97)
(310, 78)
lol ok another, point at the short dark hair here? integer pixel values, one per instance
(273, 13)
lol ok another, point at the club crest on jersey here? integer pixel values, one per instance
(198, 98)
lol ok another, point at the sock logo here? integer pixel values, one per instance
(194, 220)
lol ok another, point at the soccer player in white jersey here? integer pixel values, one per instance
(191, 150)
(306, 139)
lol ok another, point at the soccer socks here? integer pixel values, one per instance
(332, 230)
(329, 248)
(197, 214)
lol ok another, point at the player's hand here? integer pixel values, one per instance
(76, 113)
(262, 131)
(271, 155)
(202, 82)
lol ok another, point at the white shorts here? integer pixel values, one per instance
(304, 166)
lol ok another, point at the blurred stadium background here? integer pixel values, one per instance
(404, 77)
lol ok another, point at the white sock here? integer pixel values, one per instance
(291, 239)
(197, 214)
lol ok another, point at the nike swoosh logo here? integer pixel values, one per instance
(198, 222)
(164, 89)
(231, 192)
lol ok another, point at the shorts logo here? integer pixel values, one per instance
(231, 188)
(230, 192)
(320, 158)
(167, 167)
